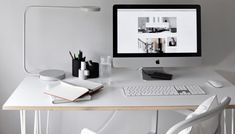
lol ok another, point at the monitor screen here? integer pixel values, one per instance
(156, 30)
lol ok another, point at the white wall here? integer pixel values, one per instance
(218, 51)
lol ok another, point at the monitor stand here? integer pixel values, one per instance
(148, 71)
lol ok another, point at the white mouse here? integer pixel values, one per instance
(216, 84)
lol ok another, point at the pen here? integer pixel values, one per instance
(71, 55)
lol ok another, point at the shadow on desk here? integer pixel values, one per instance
(230, 76)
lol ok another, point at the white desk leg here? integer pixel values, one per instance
(155, 127)
(22, 121)
(225, 124)
(232, 122)
(156, 131)
(37, 122)
(48, 119)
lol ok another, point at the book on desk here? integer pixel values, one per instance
(72, 90)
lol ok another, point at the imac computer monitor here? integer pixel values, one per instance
(156, 35)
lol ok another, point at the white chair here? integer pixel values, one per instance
(197, 119)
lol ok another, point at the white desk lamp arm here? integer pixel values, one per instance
(24, 44)
(82, 8)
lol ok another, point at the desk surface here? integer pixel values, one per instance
(29, 94)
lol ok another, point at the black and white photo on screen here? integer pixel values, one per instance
(151, 45)
(157, 25)
(172, 41)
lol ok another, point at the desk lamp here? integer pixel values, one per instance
(50, 74)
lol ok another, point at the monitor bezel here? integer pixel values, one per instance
(115, 27)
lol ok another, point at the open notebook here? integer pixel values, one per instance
(72, 90)
(90, 85)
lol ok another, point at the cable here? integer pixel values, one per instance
(107, 122)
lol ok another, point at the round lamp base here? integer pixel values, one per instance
(52, 75)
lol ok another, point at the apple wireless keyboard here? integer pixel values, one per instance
(163, 90)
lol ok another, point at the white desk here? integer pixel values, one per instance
(29, 94)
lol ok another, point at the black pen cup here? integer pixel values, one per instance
(76, 65)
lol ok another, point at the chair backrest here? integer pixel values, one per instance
(199, 118)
